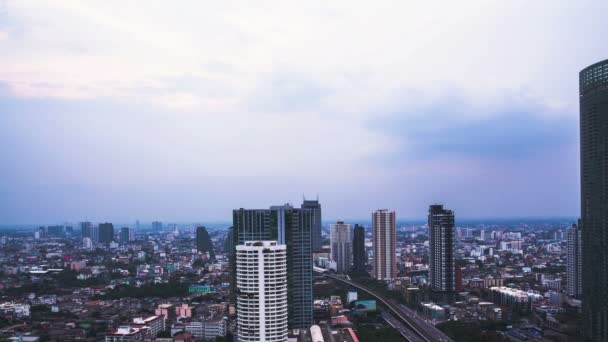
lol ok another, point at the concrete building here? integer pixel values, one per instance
(384, 228)
(442, 264)
(126, 333)
(341, 246)
(106, 232)
(261, 281)
(155, 324)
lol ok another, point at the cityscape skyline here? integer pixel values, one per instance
(130, 140)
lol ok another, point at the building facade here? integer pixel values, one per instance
(442, 264)
(384, 228)
(593, 95)
(261, 285)
(341, 246)
(291, 227)
(359, 255)
(575, 262)
(126, 234)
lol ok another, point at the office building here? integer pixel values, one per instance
(203, 242)
(126, 234)
(157, 226)
(359, 255)
(593, 95)
(384, 229)
(292, 227)
(85, 229)
(442, 263)
(55, 231)
(106, 232)
(261, 282)
(317, 238)
(575, 262)
(341, 246)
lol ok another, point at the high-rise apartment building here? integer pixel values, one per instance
(575, 262)
(261, 283)
(384, 229)
(315, 208)
(106, 232)
(442, 263)
(341, 246)
(203, 242)
(292, 227)
(359, 255)
(593, 95)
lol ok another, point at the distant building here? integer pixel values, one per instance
(85, 229)
(317, 238)
(87, 243)
(55, 231)
(40, 233)
(574, 266)
(341, 246)
(384, 228)
(157, 226)
(203, 242)
(126, 333)
(106, 232)
(442, 264)
(261, 278)
(126, 234)
(359, 255)
(155, 324)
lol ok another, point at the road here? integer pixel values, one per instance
(403, 330)
(411, 320)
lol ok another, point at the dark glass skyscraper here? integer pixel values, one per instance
(106, 232)
(593, 94)
(359, 256)
(292, 227)
(442, 264)
(317, 238)
(203, 242)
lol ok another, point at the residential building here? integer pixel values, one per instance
(574, 265)
(292, 227)
(442, 264)
(359, 255)
(341, 246)
(106, 232)
(261, 281)
(203, 242)
(385, 244)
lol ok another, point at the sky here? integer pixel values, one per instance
(182, 111)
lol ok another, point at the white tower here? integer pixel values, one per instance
(261, 290)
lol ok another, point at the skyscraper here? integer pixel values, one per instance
(593, 95)
(575, 262)
(384, 229)
(341, 246)
(261, 283)
(203, 242)
(317, 238)
(292, 227)
(55, 231)
(106, 232)
(359, 255)
(126, 234)
(157, 226)
(441, 249)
